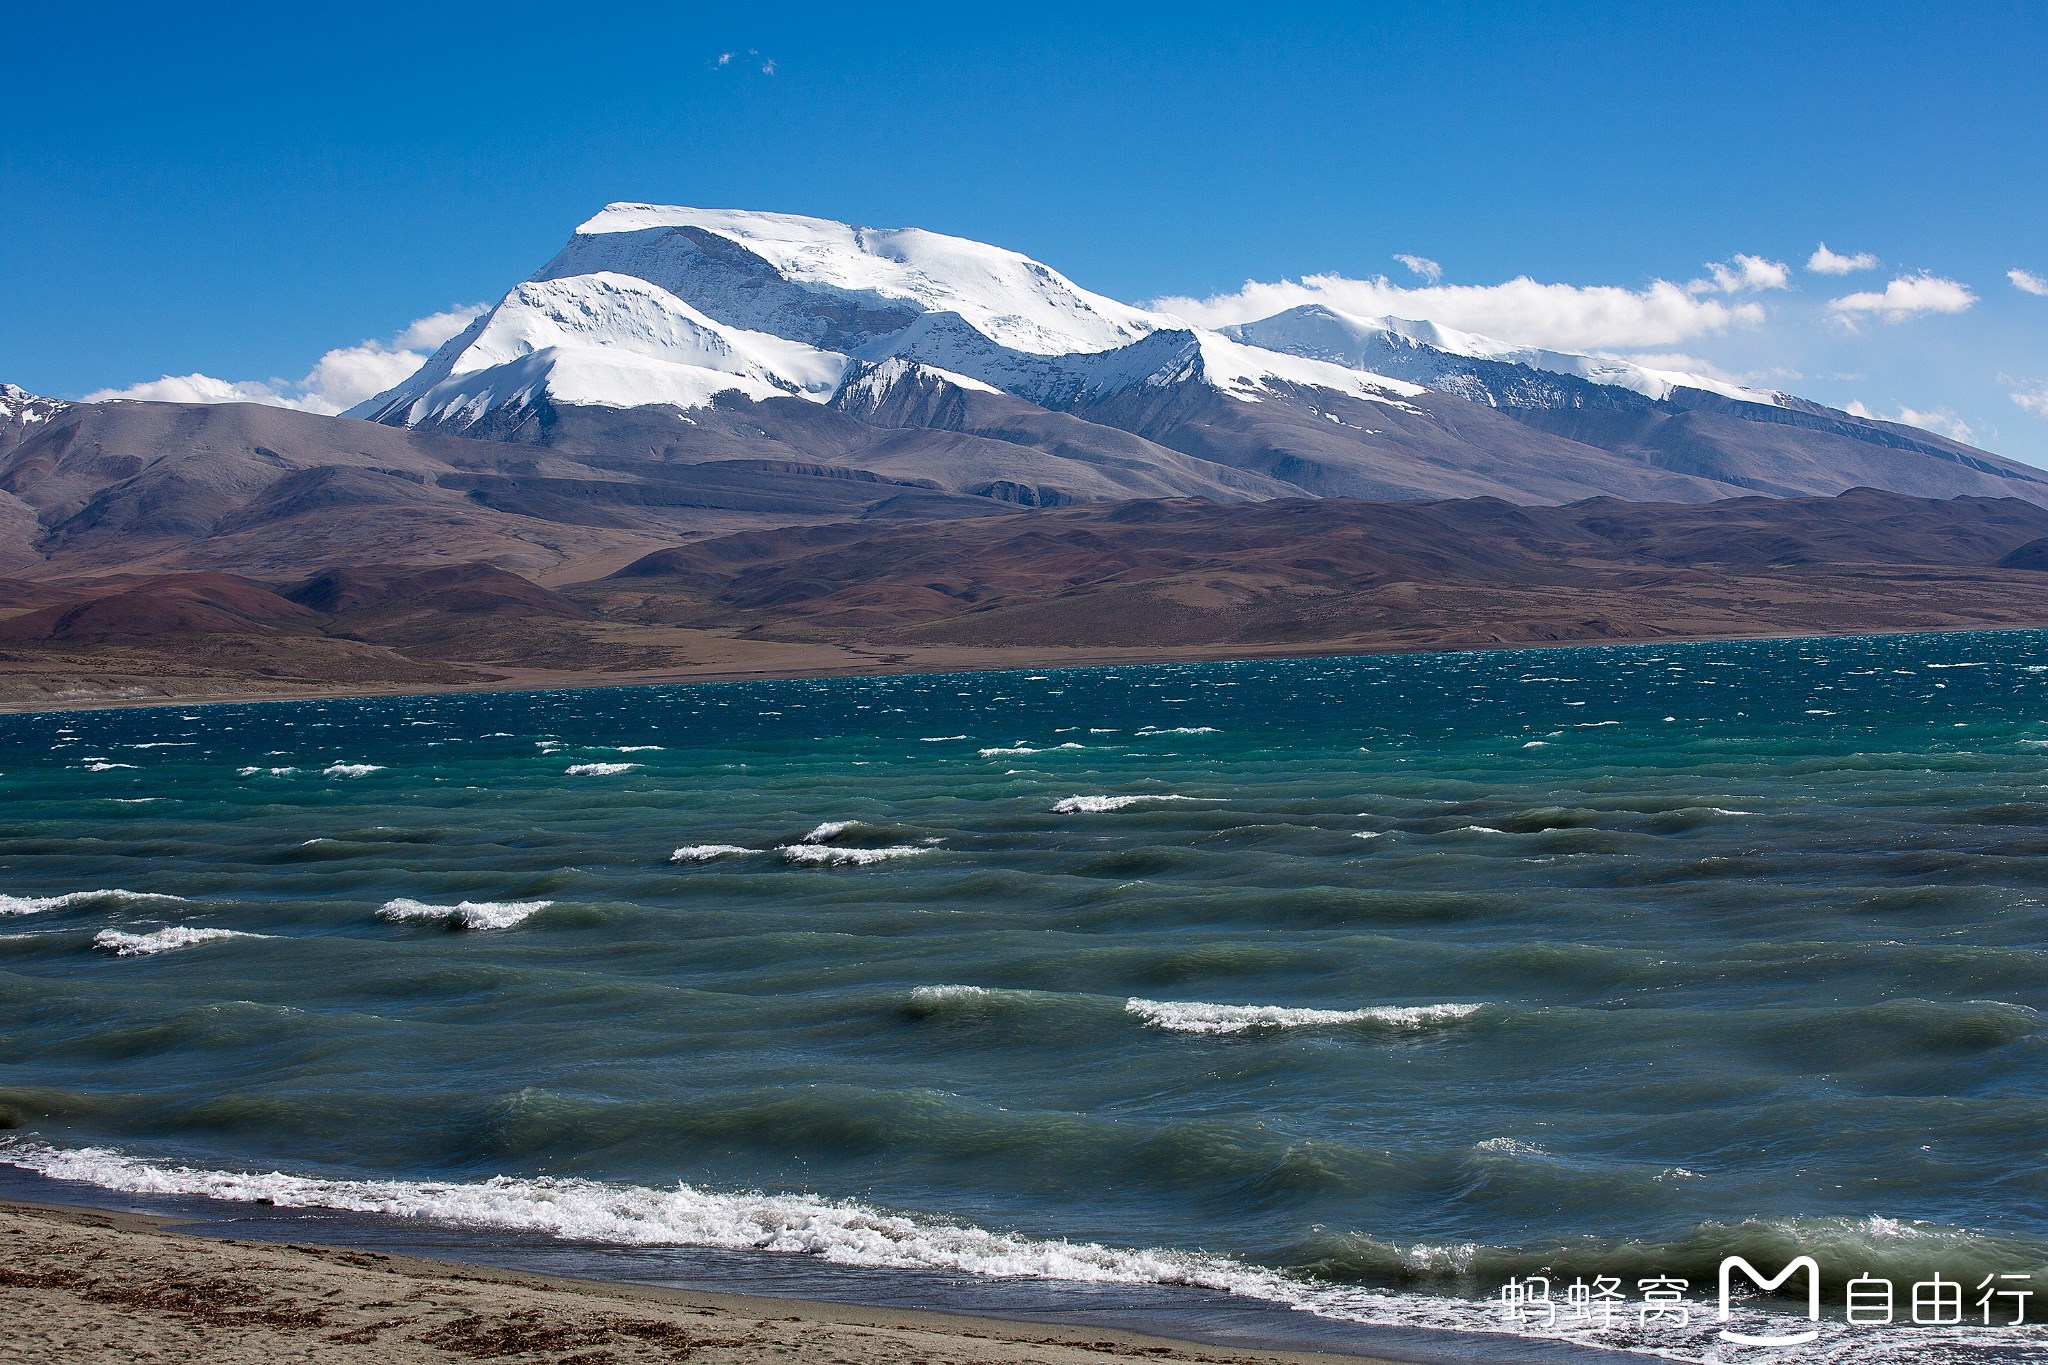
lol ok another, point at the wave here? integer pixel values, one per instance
(851, 1233)
(351, 769)
(1194, 1016)
(1096, 805)
(161, 940)
(1020, 750)
(938, 739)
(820, 855)
(101, 765)
(1181, 730)
(642, 749)
(465, 914)
(598, 769)
(115, 896)
(704, 853)
(830, 830)
(273, 772)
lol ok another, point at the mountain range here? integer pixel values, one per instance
(680, 378)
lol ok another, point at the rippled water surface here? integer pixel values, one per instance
(1353, 984)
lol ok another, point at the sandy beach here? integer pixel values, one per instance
(82, 1285)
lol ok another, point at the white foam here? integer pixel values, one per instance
(100, 765)
(1096, 805)
(36, 905)
(937, 995)
(820, 855)
(274, 772)
(847, 1232)
(641, 749)
(828, 831)
(1194, 1016)
(350, 769)
(1369, 834)
(161, 940)
(1016, 750)
(704, 853)
(938, 739)
(598, 769)
(465, 914)
(1181, 730)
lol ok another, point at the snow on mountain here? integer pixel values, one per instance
(18, 405)
(22, 413)
(657, 305)
(605, 339)
(1415, 350)
(862, 280)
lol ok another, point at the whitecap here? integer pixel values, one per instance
(1369, 834)
(1194, 1016)
(36, 905)
(1096, 805)
(829, 830)
(820, 855)
(1025, 749)
(350, 769)
(938, 739)
(598, 769)
(704, 853)
(161, 940)
(1181, 730)
(100, 765)
(641, 749)
(465, 914)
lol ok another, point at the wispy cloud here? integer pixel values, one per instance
(1943, 421)
(2026, 281)
(1743, 274)
(2034, 399)
(751, 57)
(1523, 311)
(1421, 265)
(1905, 297)
(337, 382)
(1825, 262)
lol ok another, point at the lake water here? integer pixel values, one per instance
(1359, 986)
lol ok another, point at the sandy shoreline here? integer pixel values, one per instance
(86, 1285)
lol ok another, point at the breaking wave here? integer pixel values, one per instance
(704, 853)
(1193, 1016)
(161, 940)
(464, 915)
(851, 1233)
(822, 855)
(1096, 805)
(598, 769)
(351, 769)
(36, 905)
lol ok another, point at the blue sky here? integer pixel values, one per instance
(236, 194)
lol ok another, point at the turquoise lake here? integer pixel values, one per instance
(1359, 986)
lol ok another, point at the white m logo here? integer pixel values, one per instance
(1732, 1263)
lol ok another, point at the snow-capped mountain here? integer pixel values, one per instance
(701, 335)
(1432, 355)
(675, 306)
(22, 412)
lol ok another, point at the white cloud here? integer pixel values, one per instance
(2034, 400)
(1421, 265)
(1905, 297)
(1940, 420)
(1744, 275)
(338, 380)
(2026, 281)
(1521, 311)
(1825, 262)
